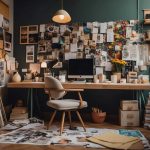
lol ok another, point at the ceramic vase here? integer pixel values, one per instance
(16, 77)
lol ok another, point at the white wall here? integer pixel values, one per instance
(10, 3)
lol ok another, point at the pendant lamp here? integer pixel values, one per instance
(61, 16)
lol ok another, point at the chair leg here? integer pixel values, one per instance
(78, 114)
(62, 122)
(52, 118)
(69, 116)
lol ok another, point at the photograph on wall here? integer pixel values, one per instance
(7, 41)
(42, 48)
(30, 53)
(6, 24)
(1, 38)
(33, 29)
(33, 38)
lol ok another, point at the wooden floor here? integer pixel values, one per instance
(51, 147)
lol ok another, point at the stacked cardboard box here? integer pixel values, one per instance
(19, 113)
(147, 114)
(129, 113)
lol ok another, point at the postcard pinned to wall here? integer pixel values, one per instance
(29, 53)
(70, 56)
(103, 27)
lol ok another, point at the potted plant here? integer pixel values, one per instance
(97, 115)
(118, 64)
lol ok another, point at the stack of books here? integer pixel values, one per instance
(147, 114)
(19, 113)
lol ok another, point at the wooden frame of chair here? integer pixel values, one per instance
(69, 112)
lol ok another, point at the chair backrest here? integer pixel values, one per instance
(54, 87)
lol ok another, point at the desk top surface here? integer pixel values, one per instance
(87, 85)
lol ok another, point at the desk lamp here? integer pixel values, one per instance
(44, 66)
(57, 65)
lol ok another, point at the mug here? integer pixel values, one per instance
(123, 80)
(114, 78)
(36, 79)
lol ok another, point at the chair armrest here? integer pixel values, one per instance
(69, 90)
(74, 90)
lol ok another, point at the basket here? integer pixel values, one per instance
(98, 117)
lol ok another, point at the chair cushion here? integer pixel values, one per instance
(66, 104)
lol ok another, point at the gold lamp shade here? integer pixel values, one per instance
(61, 16)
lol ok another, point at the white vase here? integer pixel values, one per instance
(16, 77)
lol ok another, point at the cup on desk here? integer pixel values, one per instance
(96, 80)
(101, 78)
(36, 79)
(114, 78)
(123, 80)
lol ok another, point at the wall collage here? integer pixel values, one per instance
(103, 41)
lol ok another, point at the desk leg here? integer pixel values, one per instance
(142, 102)
(30, 101)
(31, 98)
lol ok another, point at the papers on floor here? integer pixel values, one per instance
(35, 133)
(21, 123)
(113, 140)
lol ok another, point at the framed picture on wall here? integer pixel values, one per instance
(1, 38)
(29, 53)
(29, 34)
(7, 41)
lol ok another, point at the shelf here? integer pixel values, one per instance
(147, 40)
(147, 22)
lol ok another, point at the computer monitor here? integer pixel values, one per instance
(81, 68)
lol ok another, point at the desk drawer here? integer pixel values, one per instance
(129, 118)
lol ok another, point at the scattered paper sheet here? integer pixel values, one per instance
(110, 35)
(100, 38)
(103, 27)
(95, 30)
(70, 56)
(42, 27)
(113, 140)
(89, 25)
(73, 47)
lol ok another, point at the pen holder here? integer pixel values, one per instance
(98, 117)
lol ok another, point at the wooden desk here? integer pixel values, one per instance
(68, 85)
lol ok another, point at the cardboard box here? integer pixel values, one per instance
(129, 118)
(129, 105)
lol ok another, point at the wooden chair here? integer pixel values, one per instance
(55, 90)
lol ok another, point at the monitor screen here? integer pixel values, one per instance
(80, 68)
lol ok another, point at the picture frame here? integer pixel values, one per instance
(29, 53)
(29, 34)
(1, 38)
(7, 41)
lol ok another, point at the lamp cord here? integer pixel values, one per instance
(62, 4)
